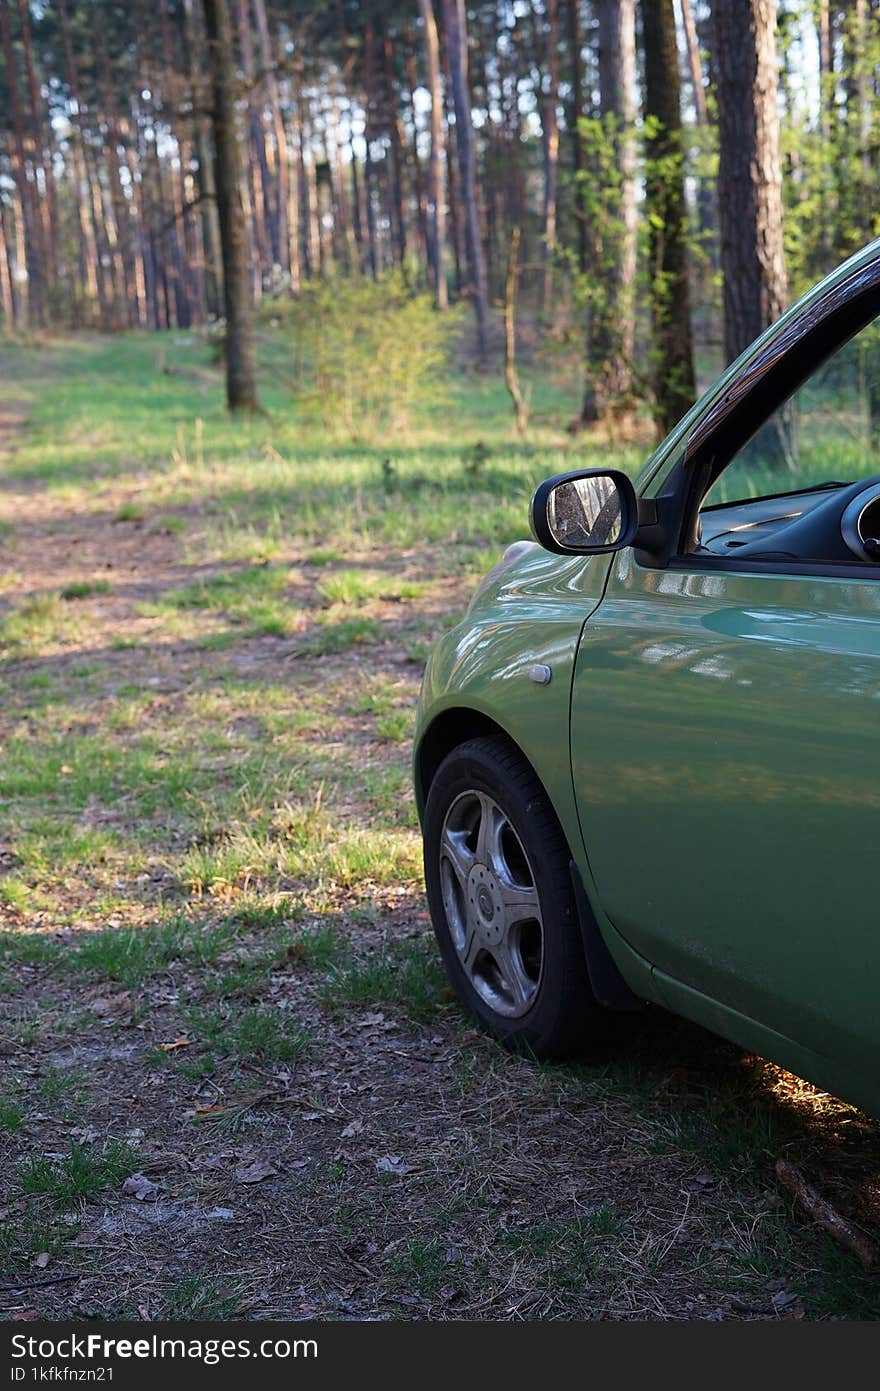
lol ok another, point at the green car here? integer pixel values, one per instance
(647, 760)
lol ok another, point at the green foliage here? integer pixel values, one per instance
(368, 354)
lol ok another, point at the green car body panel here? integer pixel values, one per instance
(710, 742)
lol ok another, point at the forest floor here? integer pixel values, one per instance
(234, 1081)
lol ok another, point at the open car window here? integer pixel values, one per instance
(823, 438)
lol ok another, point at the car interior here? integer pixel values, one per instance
(825, 441)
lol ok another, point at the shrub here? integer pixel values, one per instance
(367, 354)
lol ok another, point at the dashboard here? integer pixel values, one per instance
(835, 524)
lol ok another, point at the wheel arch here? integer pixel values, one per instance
(446, 731)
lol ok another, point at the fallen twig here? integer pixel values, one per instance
(36, 1284)
(825, 1216)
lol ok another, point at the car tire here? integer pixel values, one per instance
(497, 870)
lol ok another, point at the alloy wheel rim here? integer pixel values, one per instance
(491, 903)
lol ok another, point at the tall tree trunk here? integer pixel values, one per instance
(35, 263)
(455, 23)
(674, 388)
(241, 383)
(577, 152)
(396, 172)
(436, 194)
(47, 207)
(695, 62)
(413, 159)
(749, 172)
(257, 164)
(550, 127)
(750, 189)
(612, 320)
(280, 236)
(207, 192)
(93, 272)
(369, 200)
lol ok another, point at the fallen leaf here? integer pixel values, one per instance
(140, 1187)
(255, 1172)
(353, 1128)
(42, 1260)
(393, 1164)
(175, 1045)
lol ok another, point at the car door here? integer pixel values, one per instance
(726, 758)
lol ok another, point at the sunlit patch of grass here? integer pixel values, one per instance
(14, 892)
(130, 512)
(34, 623)
(352, 587)
(253, 598)
(396, 725)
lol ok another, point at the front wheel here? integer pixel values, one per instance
(502, 904)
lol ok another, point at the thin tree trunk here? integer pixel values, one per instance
(511, 377)
(695, 62)
(436, 194)
(674, 388)
(414, 162)
(92, 267)
(396, 173)
(280, 237)
(577, 112)
(241, 383)
(30, 213)
(612, 321)
(47, 208)
(368, 157)
(550, 124)
(452, 173)
(455, 22)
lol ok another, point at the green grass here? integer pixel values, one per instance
(407, 975)
(83, 589)
(82, 1173)
(11, 1115)
(259, 1034)
(192, 1298)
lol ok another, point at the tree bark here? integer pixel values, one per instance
(611, 332)
(241, 384)
(511, 376)
(436, 194)
(750, 172)
(34, 262)
(550, 127)
(455, 22)
(674, 387)
(577, 151)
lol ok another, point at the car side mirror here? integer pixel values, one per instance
(589, 512)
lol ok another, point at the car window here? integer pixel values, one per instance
(828, 431)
